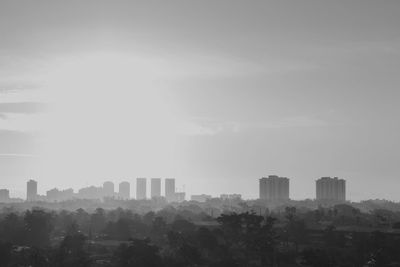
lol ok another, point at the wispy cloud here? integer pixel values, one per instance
(24, 122)
(294, 122)
(23, 107)
(207, 126)
(23, 116)
(17, 155)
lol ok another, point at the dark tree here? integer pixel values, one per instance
(97, 221)
(38, 227)
(12, 229)
(72, 252)
(137, 253)
(5, 254)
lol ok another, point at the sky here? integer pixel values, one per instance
(214, 93)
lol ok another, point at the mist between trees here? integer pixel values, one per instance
(200, 234)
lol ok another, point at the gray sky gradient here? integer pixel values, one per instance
(301, 89)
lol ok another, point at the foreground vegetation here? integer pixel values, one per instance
(337, 236)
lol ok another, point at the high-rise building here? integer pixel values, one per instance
(108, 189)
(4, 195)
(31, 190)
(274, 188)
(331, 189)
(155, 187)
(170, 189)
(124, 190)
(140, 188)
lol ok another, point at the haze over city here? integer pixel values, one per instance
(215, 94)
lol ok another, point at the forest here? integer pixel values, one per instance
(188, 236)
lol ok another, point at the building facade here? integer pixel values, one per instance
(31, 190)
(274, 188)
(230, 196)
(170, 189)
(91, 192)
(4, 195)
(59, 195)
(179, 196)
(108, 189)
(141, 188)
(124, 191)
(155, 187)
(331, 189)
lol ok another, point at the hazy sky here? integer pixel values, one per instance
(214, 93)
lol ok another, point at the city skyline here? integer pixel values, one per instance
(273, 189)
(107, 190)
(213, 93)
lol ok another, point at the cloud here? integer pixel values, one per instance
(294, 122)
(23, 116)
(15, 86)
(23, 107)
(207, 126)
(17, 155)
(24, 122)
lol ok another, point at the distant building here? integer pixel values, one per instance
(274, 188)
(140, 188)
(57, 195)
(231, 196)
(155, 187)
(108, 189)
(67, 194)
(4, 195)
(200, 198)
(179, 196)
(170, 189)
(31, 190)
(125, 190)
(91, 192)
(331, 189)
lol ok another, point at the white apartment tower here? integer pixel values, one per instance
(141, 188)
(274, 188)
(124, 190)
(31, 190)
(155, 187)
(170, 189)
(331, 189)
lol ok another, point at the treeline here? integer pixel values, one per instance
(184, 237)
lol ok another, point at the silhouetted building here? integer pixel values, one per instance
(108, 189)
(331, 189)
(91, 192)
(124, 190)
(59, 195)
(52, 194)
(179, 196)
(200, 198)
(231, 196)
(170, 189)
(155, 187)
(31, 190)
(4, 195)
(274, 188)
(140, 188)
